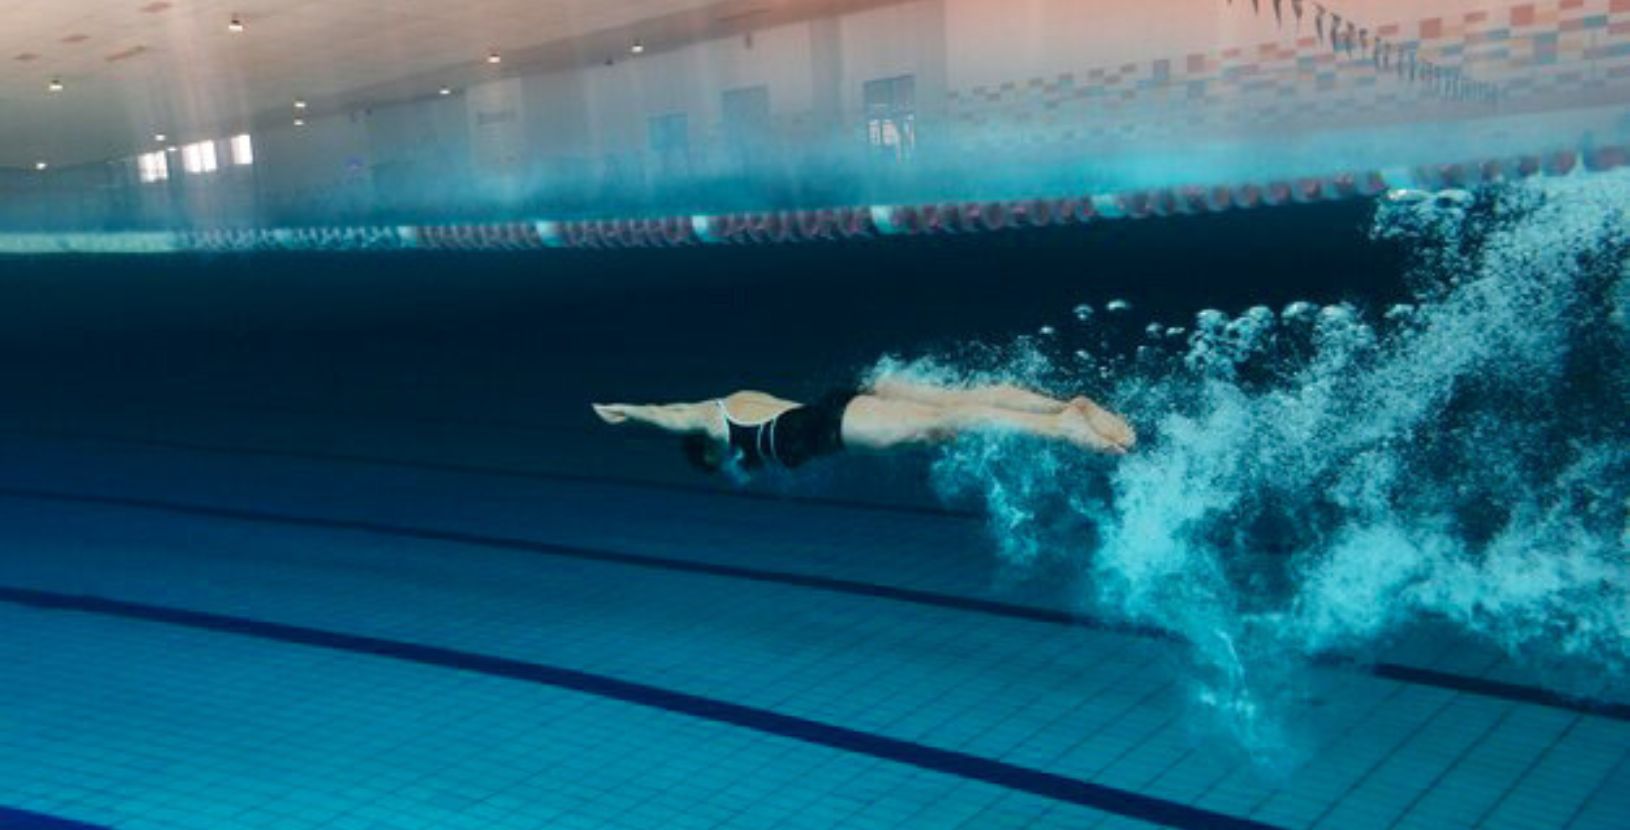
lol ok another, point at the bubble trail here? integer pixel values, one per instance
(1324, 481)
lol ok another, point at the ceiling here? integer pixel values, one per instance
(133, 68)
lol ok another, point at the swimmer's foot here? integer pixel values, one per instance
(1112, 428)
(1075, 427)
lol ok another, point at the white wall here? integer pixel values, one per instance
(621, 98)
(420, 153)
(321, 168)
(497, 124)
(885, 42)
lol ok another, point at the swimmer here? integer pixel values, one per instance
(753, 429)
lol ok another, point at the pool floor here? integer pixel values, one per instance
(207, 625)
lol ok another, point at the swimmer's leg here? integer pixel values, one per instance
(876, 423)
(1003, 395)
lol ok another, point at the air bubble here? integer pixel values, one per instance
(1336, 314)
(1299, 310)
(1453, 198)
(1407, 196)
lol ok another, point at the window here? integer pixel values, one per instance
(243, 150)
(199, 157)
(747, 128)
(153, 167)
(891, 116)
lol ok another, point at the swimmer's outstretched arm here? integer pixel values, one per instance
(682, 418)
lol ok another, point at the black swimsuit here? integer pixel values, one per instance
(793, 437)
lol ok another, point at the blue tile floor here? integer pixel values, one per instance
(201, 633)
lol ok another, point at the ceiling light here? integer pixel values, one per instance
(55, 85)
(638, 48)
(40, 165)
(170, 149)
(299, 105)
(159, 137)
(299, 122)
(494, 58)
(236, 25)
(444, 91)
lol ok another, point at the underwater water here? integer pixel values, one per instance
(1314, 481)
(246, 495)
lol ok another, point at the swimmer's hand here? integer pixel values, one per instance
(611, 413)
(680, 418)
(1114, 434)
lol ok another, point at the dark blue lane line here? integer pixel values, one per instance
(14, 819)
(810, 581)
(950, 762)
(1501, 689)
(1393, 671)
(492, 472)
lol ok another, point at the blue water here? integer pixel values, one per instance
(335, 540)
